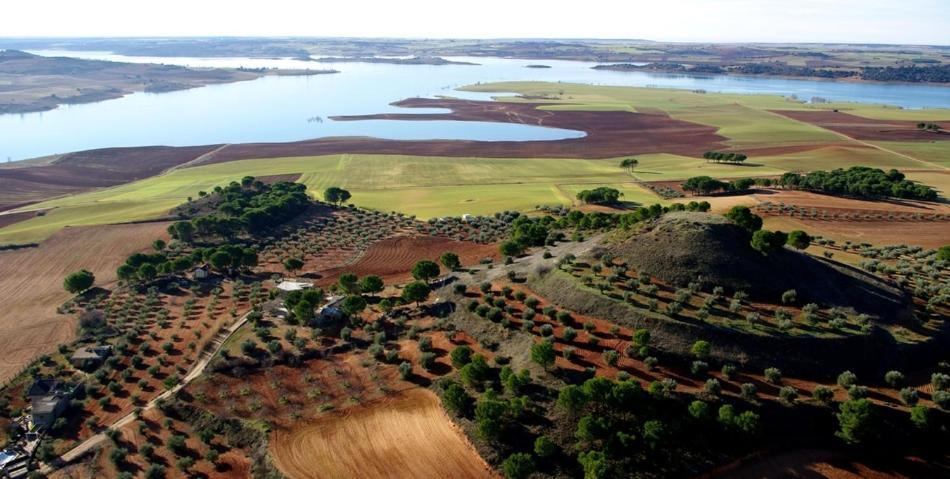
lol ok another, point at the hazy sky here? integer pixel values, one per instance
(856, 21)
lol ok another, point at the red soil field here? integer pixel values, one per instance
(393, 258)
(609, 134)
(31, 284)
(864, 128)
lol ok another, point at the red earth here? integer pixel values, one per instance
(865, 128)
(609, 134)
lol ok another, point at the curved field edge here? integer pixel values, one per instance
(406, 435)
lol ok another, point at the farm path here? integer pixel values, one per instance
(196, 370)
(868, 144)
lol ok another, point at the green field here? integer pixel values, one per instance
(441, 186)
(422, 186)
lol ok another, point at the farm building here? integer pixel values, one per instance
(330, 311)
(201, 272)
(288, 286)
(48, 399)
(88, 357)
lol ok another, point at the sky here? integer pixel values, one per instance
(846, 21)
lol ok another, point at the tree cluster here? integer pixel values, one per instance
(600, 196)
(705, 185)
(546, 230)
(249, 206)
(725, 157)
(859, 181)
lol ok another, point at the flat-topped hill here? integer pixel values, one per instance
(683, 247)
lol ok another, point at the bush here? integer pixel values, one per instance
(547, 330)
(405, 369)
(712, 387)
(823, 394)
(909, 396)
(427, 360)
(728, 370)
(788, 395)
(569, 334)
(857, 392)
(773, 375)
(699, 410)
(789, 296)
(940, 381)
(920, 416)
(766, 242)
(544, 447)
(942, 398)
(651, 362)
(461, 356)
(748, 391)
(855, 421)
(701, 349)
(894, 378)
(543, 353)
(611, 356)
(699, 367)
(847, 379)
(456, 399)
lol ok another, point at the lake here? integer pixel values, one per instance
(274, 109)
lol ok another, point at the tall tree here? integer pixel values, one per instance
(336, 195)
(425, 270)
(79, 281)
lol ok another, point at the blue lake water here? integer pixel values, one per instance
(296, 108)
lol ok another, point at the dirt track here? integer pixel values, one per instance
(404, 436)
(864, 128)
(31, 285)
(609, 134)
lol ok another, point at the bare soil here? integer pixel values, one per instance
(865, 128)
(393, 258)
(31, 285)
(407, 435)
(609, 134)
(86, 170)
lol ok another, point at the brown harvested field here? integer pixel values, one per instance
(86, 170)
(407, 435)
(864, 128)
(927, 234)
(11, 218)
(609, 134)
(392, 258)
(815, 464)
(31, 285)
(808, 199)
(863, 221)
